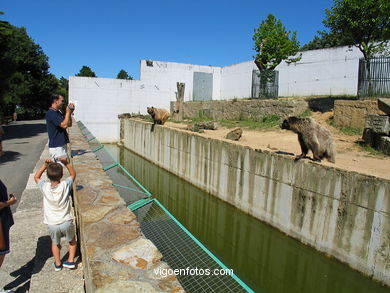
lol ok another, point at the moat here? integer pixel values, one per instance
(264, 258)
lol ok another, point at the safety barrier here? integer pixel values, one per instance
(196, 267)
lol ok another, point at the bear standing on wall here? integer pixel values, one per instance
(159, 116)
(312, 136)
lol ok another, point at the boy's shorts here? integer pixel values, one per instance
(65, 229)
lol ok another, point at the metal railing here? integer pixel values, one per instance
(374, 77)
(265, 84)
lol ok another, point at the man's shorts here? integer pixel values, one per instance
(65, 229)
(58, 152)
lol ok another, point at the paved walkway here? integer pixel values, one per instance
(23, 144)
(29, 266)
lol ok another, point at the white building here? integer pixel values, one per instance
(100, 100)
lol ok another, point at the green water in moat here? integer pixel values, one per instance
(264, 258)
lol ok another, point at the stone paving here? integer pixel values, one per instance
(116, 255)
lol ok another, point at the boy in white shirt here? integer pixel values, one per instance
(57, 209)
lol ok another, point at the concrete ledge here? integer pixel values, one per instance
(343, 214)
(116, 256)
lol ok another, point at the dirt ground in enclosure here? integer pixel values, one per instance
(350, 156)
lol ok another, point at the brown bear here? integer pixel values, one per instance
(312, 136)
(159, 116)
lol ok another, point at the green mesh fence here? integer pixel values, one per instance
(198, 270)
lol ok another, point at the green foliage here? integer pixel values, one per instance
(261, 123)
(273, 44)
(304, 114)
(64, 88)
(123, 75)
(86, 71)
(325, 40)
(364, 23)
(24, 76)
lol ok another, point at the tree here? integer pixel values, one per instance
(86, 71)
(363, 23)
(273, 44)
(24, 77)
(323, 40)
(123, 75)
(63, 88)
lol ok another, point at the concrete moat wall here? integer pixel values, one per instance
(343, 214)
(116, 256)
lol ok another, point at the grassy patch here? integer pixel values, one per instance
(345, 129)
(266, 122)
(371, 152)
(306, 113)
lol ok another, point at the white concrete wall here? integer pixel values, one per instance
(100, 100)
(321, 72)
(167, 74)
(236, 80)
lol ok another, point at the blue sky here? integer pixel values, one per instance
(112, 35)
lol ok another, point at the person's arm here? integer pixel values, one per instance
(12, 200)
(71, 107)
(65, 123)
(39, 173)
(72, 171)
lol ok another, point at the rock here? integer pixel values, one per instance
(124, 115)
(160, 272)
(140, 254)
(235, 134)
(195, 128)
(384, 105)
(378, 123)
(384, 145)
(371, 138)
(127, 286)
(212, 125)
(124, 216)
(95, 213)
(109, 236)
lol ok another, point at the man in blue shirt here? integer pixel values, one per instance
(57, 123)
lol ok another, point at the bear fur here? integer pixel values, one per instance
(312, 136)
(159, 116)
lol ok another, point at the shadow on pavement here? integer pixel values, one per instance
(33, 266)
(76, 153)
(9, 156)
(24, 130)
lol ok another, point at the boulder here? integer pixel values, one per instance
(235, 134)
(378, 123)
